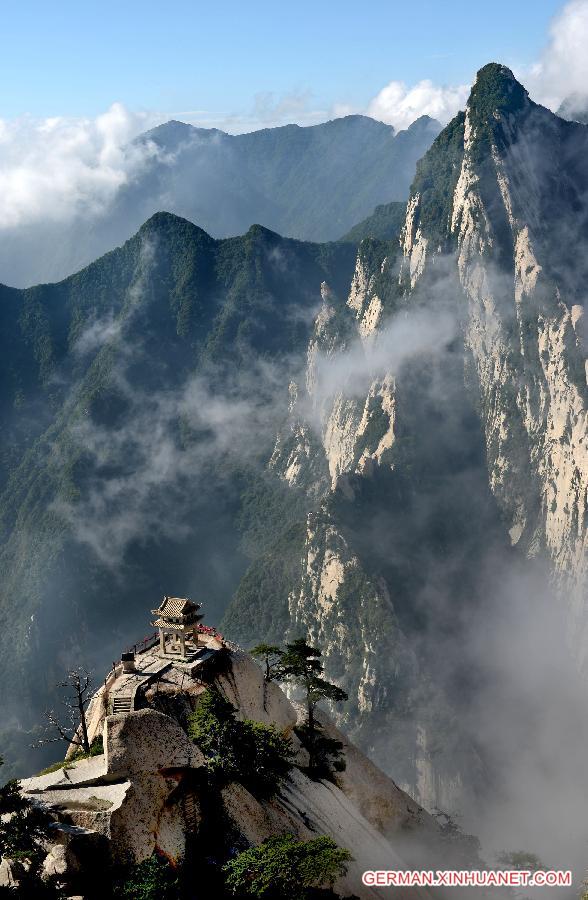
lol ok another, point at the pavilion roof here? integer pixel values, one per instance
(176, 606)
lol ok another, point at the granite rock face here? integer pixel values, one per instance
(143, 795)
(440, 427)
(147, 741)
(518, 227)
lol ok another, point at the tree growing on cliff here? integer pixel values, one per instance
(283, 868)
(256, 755)
(301, 664)
(271, 656)
(71, 726)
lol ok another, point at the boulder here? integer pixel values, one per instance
(146, 741)
(56, 863)
(12, 872)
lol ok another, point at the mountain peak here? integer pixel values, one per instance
(496, 90)
(424, 125)
(162, 222)
(494, 70)
(260, 233)
(170, 135)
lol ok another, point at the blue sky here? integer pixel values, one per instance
(213, 59)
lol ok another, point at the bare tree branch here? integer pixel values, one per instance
(78, 683)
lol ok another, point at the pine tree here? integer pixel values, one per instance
(301, 664)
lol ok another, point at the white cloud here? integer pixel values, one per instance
(55, 168)
(151, 495)
(562, 69)
(400, 105)
(420, 331)
(52, 168)
(560, 72)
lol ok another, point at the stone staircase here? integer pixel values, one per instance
(124, 688)
(122, 704)
(191, 813)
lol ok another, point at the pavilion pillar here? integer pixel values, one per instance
(183, 643)
(161, 642)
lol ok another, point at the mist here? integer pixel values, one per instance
(487, 622)
(156, 465)
(74, 190)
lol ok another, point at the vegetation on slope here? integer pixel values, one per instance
(254, 754)
(436, 177)
(158, 347)
(384, 224)
(283, 868)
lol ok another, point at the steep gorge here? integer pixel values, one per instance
(446, 441)
(394, 464)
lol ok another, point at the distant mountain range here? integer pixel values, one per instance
(311, 183)
(574, 108)
(382, 447)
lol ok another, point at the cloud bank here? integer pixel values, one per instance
(51, 169)
(400, 106)
(55, 169)
(562, 69)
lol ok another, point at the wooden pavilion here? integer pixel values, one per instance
(176, 619)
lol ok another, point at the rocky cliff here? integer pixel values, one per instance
(145, 794)
(440, 431)
(517, 222)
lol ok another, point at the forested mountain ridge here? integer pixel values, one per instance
(127, 388)
(311, 183)
(382, 448)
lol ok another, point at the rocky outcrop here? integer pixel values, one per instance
(144, 793)
(519, 237)
(130, 794)
(332, 425)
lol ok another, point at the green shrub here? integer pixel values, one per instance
(96, 749)
(24, 829)
(23, 833)
(265, 756)
(254, 754)
(22, 826)
(152, 879)
(283, 868)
